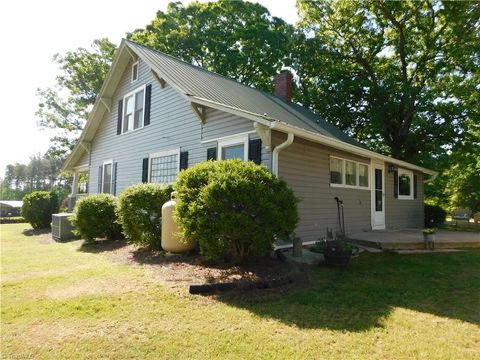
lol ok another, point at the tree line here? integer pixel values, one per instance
(401, 77)
(41, 173)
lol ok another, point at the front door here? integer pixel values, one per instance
(378, 196)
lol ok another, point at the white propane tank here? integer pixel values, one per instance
(171, 239)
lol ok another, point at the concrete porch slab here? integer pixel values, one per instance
(411, 239)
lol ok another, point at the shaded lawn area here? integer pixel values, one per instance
(61, 302)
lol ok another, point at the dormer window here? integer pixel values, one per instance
(135, 71)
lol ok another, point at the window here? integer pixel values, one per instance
(336, 171)
(348, 173)
(233, 148)
(135, 71)
(405, 184)
(107, 177)
(363, 175)
(134, 104)
(164, 167)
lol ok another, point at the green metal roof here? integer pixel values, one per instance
(197, 82)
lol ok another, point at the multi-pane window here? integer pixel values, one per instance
(107, 178)
(164, 167)
(348, 173)
(133, 110)
(405, 184)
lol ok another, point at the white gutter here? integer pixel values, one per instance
(316, 137)
(277, 150)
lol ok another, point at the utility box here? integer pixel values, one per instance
(62, 228)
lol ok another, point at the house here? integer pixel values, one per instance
(156, 115)
(10, 208)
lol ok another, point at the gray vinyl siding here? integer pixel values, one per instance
(403, 214)
(173, 125)
(84, 159)
(306, 168)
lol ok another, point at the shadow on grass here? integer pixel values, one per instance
(35, 232)
(100, 246)
(359, 298)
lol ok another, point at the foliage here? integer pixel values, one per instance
(94, 217)
(66, 107)
(434, 215)
(139, 211)
(38, 207)
(234, 207)
(237, 39)
(41, 173)
(394, 73)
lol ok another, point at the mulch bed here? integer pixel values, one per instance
(181, 271)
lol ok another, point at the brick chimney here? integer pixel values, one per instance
(283, 85)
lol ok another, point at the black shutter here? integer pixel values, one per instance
(415, 178)
(255, 151)
(114, 179)
(148, 100)
(119, 117)
(145, 170)
(183, 160)
(212, 153)
(100, 168)
(395, 184)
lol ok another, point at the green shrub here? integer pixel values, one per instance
(139, 212)
(236, 208)
(434, 215)
(38, 207)
(94, 217)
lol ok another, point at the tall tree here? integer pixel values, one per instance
(391, 72)
(65, 108)
(237, 39)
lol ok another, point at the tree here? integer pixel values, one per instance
(66, 107)
(390, 73)
(237, 39)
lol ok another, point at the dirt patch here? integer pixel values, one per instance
(95, 287)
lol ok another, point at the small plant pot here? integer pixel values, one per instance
(429, 240)
(339, 259)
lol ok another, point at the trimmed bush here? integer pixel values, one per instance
(434, 215)
(139, 212)
(94, 217)
(235, 208)
(38, 207)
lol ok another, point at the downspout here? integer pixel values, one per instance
(277, 150)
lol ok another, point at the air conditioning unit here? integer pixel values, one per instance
(62, 227)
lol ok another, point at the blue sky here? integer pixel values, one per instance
(33, 31)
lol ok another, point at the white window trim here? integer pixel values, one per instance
(107, 162)
(133, 92)
(233, 140)
(160, 154)
(409, 173)
(344, 174)
(138, 68)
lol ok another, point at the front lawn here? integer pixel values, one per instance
(59, 301)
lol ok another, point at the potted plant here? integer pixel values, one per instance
(429, 238)
(337, 252)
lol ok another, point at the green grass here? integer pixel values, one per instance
(61, 302)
